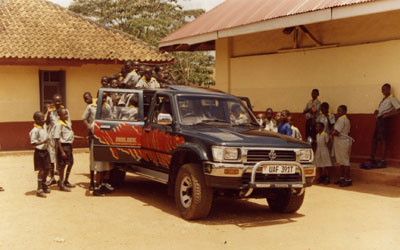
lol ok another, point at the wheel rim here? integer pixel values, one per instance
(186, 193)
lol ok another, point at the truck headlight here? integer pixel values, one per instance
(221, 154)
(306, 155)
(231, 154)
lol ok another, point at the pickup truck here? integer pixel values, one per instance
(202, 144)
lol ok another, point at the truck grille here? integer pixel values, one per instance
(272, 178)
(263, 155)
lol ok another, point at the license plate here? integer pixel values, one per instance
(279, 169)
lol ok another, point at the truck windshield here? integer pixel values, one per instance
(199, 110)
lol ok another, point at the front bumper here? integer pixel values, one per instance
(239, 176)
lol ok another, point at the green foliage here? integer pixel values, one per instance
(150, 21)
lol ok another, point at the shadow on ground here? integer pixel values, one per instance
(225, 211)
(374, 189)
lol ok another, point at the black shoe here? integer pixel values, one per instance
(327, 181)
(40, 193)
(91, 187)
(339, 182)
(97, 192)
(1, 189)
(45, 188)
(52, 181)
(346, 183)
(63, 187)
(321, 179)
(106, 189)
(68, 185)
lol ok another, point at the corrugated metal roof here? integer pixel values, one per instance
(235, 13)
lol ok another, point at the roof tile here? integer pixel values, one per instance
(40, 29)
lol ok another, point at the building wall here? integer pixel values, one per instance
(20, 98)
(352, 73)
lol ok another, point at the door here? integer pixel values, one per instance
(159, 137)
(118, 126)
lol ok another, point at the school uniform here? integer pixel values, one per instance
(327, 121)
(133, 77)
(387, 105)
(322, 156)
(63, 131)
(41, 158)
(128, 113)
(143, 83)
(296, 133)
(270, 125)
(310, 128)
(342, 143)
(51, 129)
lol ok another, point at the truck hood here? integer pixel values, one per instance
(243, 137)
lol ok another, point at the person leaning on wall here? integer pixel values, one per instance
(388, 107)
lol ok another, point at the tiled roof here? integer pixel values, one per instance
(40, 29)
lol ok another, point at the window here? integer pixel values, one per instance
(163, 106)
(51, 83)
(120, 106)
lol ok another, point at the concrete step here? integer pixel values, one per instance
(386, 176)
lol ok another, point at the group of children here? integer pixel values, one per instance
(136, 75)
(329, 137)
(52, 136)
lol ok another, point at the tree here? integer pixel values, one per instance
(150, 21)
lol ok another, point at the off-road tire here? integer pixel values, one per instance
(117, 177)
(284, 201)
(201, 195)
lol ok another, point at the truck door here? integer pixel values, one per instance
(159, 138)
(118, 126)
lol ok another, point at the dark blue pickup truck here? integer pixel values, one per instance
(202, 144)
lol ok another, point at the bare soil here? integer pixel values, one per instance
(140, 215)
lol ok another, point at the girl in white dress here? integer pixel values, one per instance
(322, 156)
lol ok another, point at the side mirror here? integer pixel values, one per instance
(164, 119)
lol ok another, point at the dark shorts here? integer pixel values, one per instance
(41, 160)
(380, 133)
(68, 151)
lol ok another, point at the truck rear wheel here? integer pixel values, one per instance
(192, 197)
(285, 201)
(117, 176)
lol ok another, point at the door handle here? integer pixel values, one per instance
(105, 126)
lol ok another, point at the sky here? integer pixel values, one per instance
(188, 4)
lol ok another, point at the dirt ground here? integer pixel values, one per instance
(140, 215)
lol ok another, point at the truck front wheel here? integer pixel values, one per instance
(285, 201)
(192, 197)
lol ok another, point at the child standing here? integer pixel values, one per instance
(51, 121)
(295, 131)
(41, 159)
(88, 118)
(322, 158)
(270, 123)
(342, 146)
(64, 137)
(311, 111)
(284, 127)
(327, 119)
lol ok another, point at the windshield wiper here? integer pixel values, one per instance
(206, 121)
